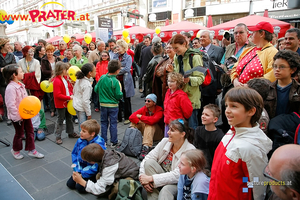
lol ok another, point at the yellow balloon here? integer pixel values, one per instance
(72, 72)
(2, 12)
(157, 30)
(47, 86)
(127, 39)
(88, 38)
(198, 34)
(66, 38)
(70, 108)
(29, 107)
(125, 33)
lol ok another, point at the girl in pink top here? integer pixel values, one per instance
(14, 93)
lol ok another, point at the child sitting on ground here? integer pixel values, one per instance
(88, 135)
(208, 137)
(262, 86)
(39, 125)
(242, 154)
(110, 92)
(194, 178)
(112, 165)
(284, 95)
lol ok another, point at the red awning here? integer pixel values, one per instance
(135, 32)
(184, 26)
(280, 27)
(54, 39)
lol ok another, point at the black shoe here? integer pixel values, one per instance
(8, 122)
(143, 96)
(144, 152)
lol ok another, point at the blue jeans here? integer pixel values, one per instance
(193, 120)
(112, 114)
(81, 118)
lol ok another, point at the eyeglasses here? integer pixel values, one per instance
(148, 101)
(267, 174)
(104, 55)
(279, 67)
(240, 32)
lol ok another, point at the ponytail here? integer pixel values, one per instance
(85, 70)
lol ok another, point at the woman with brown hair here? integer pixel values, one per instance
(255, 62)
(92, 46)
(48, 67)
(160, 75)
(159, 172)
(181, 65)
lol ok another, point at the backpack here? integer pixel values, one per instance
(132, 142)
(129, 189)
(207, 69)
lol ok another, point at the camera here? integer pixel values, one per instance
(228, 35)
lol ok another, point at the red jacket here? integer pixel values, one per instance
(155, 118)
(101, 69)
(59, 92)
(242, 154)
(177, 106)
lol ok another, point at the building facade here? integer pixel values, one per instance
(146, 13)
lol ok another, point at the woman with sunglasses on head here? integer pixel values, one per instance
(32, 72)
(101, 67)
(159, 172)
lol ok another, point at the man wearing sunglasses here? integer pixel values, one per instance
(149, 120)
(283, 172)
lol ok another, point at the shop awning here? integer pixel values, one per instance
(280, 27)
(184, 26)
(135, 32)
(54, 40)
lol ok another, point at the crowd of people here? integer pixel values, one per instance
(254, 81)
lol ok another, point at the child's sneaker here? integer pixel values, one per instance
(17, 154)
(145, 151)
(36, 154)
(113, 146)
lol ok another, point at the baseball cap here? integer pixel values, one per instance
(266, 26)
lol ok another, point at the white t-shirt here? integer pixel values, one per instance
(66, 86)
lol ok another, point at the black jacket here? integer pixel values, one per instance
(145, 58)
(9, 59)
(150, 72)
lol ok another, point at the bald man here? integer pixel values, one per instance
(284, 166)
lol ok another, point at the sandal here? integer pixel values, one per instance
(59, 141)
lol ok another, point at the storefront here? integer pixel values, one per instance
(278, 9)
